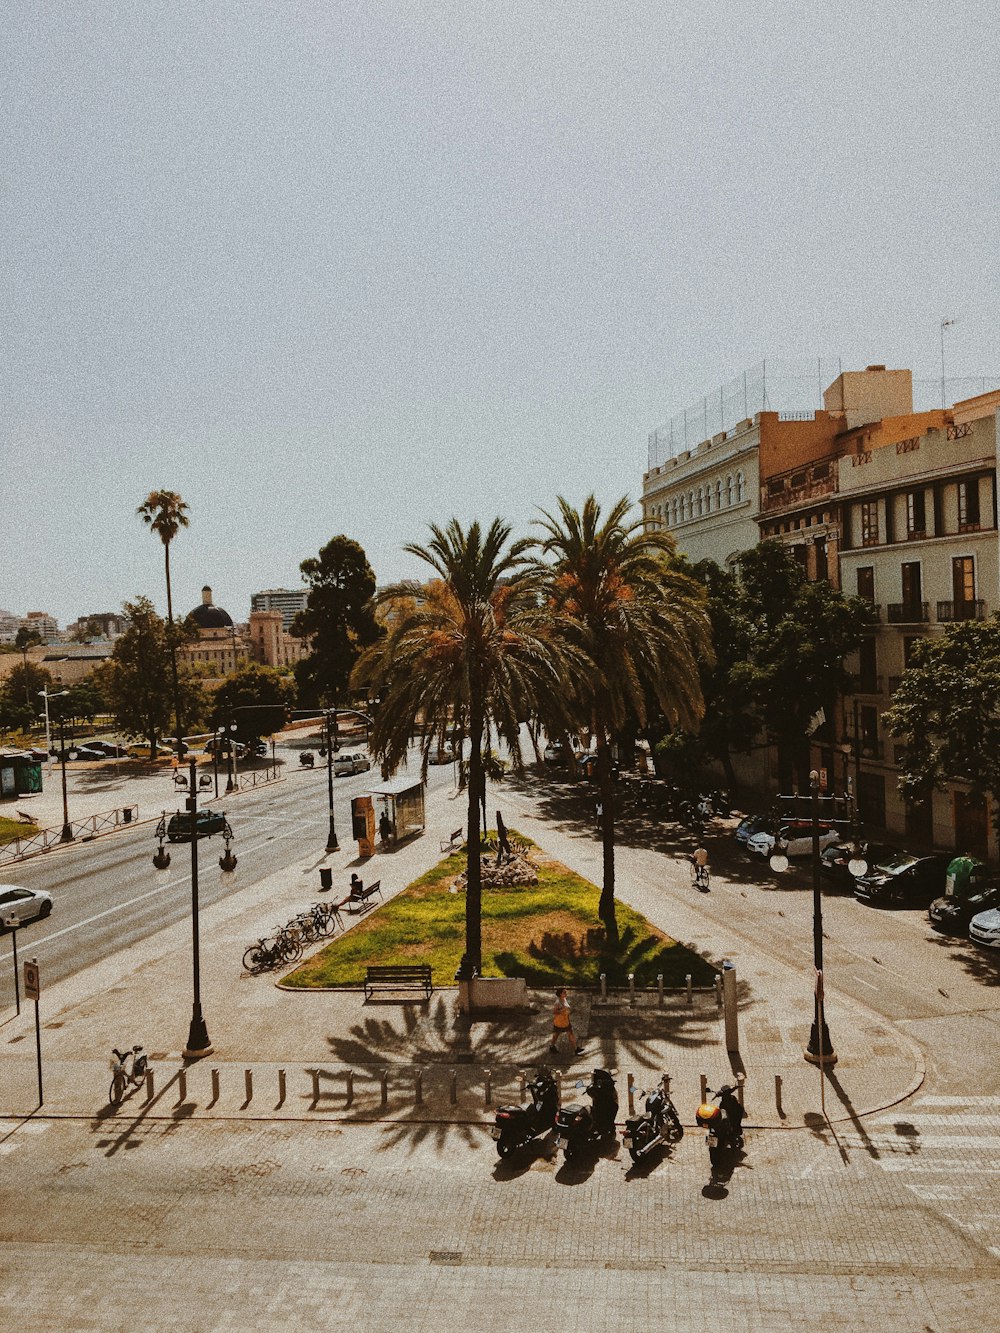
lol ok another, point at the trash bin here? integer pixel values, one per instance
(325, 879)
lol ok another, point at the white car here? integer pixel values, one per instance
(345, 763)
(444, 754)
(985, 928)
(794, 839)
(23, 905)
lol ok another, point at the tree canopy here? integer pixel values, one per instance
(257, 697)
(339, 620)
(946, 711)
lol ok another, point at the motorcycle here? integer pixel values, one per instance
(578, 1126)
(723, 1123)
(307, 759)
(659, 1124)
(517, 1124)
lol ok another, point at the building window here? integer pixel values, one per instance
(968, 505)
(963, 579)
(739, 488)
(909, 642)
(729, 490)
(708, 498)
(866, 582)
(911, 583)
(718, 494)
(916, 516)
(869, 523)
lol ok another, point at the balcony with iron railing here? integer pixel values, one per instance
(866, 684)
(948, 612)
(807, 482)
(908, 613)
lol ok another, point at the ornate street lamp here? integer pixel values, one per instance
(332, 747)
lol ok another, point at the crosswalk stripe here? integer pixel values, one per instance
(913, 1144)
(951, 1121)
(945, 1166)
(958, 1102)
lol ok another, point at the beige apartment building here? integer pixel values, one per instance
(896, 506)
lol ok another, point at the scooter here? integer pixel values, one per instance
(579, 1127)
(723, 1123)
(516, 1125)
(659, 1124)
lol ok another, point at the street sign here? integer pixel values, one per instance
(32, 981)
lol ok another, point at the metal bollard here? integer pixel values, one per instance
(350, 1088)
(631, 1095)
(488, 1089)
(149, 1085)
(383, 1083)
(665, 1080)
(777, 1096)
(704, 1086)
(718, 989)
(740, 1080)
(281, 1087)
(604, 987)
(315, 1083)
(687, 984)
(453, 1087)
(418, 1088)
(215, 1085)
(631, 989)
(659, 988)
(248, 1083)
(182, 1086)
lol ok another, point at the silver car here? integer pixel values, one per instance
(23, 905)
(985, 928)
(344, 763)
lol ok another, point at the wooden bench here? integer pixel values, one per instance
(452, 841)
(362, 901)
(409, 977)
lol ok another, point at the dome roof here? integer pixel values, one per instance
(207, 616)
(211, 617)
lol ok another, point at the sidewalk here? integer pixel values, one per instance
(144, 995)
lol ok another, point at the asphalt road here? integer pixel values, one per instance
(107, 895)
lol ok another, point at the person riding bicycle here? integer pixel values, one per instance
(699, 863)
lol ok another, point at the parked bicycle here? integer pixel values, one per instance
(267, 953)
(129, 1069)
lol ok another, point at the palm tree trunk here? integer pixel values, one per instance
(606, 908)
(173, 656)
(474, 881)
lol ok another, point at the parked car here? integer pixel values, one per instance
(24, 904)
(985, 928)
(793, 838)
(109, 750)
(39, 756)
(903, 880)
(554, 753)
(85, 754)
(834, 860)
(444, 754)
(954, 912)
(208, 822)
(221, 745)
(752, 824)
(347, 763)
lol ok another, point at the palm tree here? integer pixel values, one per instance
(642, 624)
(24, 639)
(470, 648)
(166, 513)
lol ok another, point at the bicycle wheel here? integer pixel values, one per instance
(326, 924)
(251, 959)
(117, 1089)
(289, 947)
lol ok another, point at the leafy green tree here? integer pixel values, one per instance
(19, 697)
(136, 680)
(339, 620)
(257, 697)
(85, 699)
(165, 513)
(946, 711)
(642, 624)
(472, 647)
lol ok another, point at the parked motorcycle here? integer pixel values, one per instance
(580, 1127)
(723, 1123)
(659, 1124)
(307, 759)
(516, 1125)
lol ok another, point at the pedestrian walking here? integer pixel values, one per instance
(599, 814)
(562, 1024)
(384, 826)
(504, 852)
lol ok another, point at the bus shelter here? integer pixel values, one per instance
(401, 800)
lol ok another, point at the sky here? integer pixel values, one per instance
(329, 266)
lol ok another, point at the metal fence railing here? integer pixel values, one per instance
(83, 830)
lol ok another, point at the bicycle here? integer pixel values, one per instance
(328, 918)
(129, 1068)
(700, 877)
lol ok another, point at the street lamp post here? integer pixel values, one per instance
(198, 1043)
(820, 1048)
(67, 828)
(332, 742)
(44, 694)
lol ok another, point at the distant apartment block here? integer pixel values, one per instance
(289, 601)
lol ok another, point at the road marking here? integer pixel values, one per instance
(901, 1143)
(959, 1101)
(866, 983)
(946, 1166)
(950, 1121)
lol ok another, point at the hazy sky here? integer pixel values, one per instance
(348, 266)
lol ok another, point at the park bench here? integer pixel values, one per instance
(362, 900)
(452, 840)
(407, 977)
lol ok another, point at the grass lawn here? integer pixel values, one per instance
(11, 829)
(547, 934)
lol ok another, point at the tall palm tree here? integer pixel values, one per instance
(166, 513)
(643, 625)
(472, 647)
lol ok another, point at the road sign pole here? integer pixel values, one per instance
(12, 924)
(32, 991)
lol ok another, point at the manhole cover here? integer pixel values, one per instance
(446, 1256)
